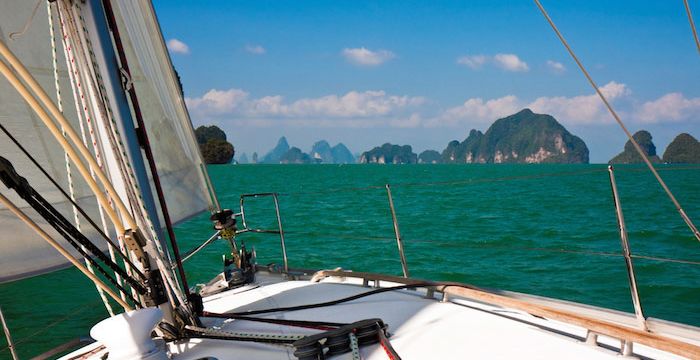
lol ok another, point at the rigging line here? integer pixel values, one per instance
(74, 76)
(70, 233)
(98, 93)
(337, 301)
(8, 337)
(641, 152)
(73, 12)
(59, 188)
(33, 103)
(491, 246)
(692, 24)
(654, 258)
(69, 175)
(190, 253)
(78, 91)
(15, 210)
(44, 328)
(16, 34)
(670, 168)
(146, 145)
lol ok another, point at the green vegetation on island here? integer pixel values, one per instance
(213, 145)
(389, 154)
(630, 154)
(524, 137)
(683, 149)
(429, 157)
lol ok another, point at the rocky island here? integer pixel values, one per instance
(630, 156)
(524, 137)
(683, 149)
(213, 145)
(429, 157)
(389, 154)
(321, 153)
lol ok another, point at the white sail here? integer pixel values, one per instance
(179, 164)
(167, 121)
(22, 252)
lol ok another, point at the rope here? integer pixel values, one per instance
(82, 107)
(15, 210)
(69, 175)
(333, 302)
(44, 328)
(63, 192)
(35, 105)
(496, 246)
(641, 152)
(96, 86)
(692, 24)
(8, 336)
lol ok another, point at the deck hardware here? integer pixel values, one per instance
(626, 253)
(280, 229)
(445, 297)
(430, 293)
(399, 240)
(626, 348)
(365, 283)
(591, 338)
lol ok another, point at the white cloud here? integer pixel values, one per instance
(473, 61)
(218, 102)
(510, 62)
(556, 67)
(582, 109)
(376, 108)
(672, 107)
(351, 109)
(476, 110)
(365, 57)
(255, 49)
(178, 47)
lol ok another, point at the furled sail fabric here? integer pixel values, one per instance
(22, 252)
(167, 121)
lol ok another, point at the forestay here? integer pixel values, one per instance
(167, 121)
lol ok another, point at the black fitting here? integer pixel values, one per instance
(12, 179)
(223, 220)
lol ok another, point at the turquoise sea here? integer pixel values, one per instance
(549, 230)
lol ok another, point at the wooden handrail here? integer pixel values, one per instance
(597, 326)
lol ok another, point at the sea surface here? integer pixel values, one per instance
(549, 230)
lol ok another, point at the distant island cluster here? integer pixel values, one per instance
(524, 137)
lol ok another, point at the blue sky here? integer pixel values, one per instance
(426, 72)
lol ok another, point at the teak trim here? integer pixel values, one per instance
(601, 327)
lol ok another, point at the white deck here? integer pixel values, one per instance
(420, 328)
